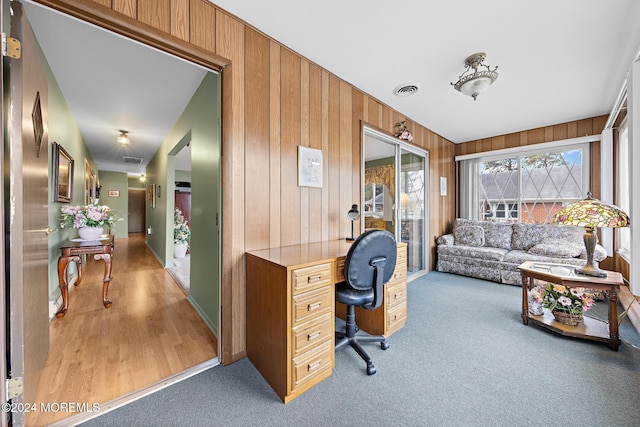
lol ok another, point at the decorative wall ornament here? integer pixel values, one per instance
(402, 132)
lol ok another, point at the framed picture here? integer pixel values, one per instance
(443, 186)
(114, 193)
(151, 195)
(309, 167)
(62, 175)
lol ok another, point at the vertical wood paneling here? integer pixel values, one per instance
(335, 216)
(257, 140)
(274, 145)
(202, 27)
(357, 106)
(346, 165)
(304, 140)
(315, 141)
(180, 19)
(126, 7)
(290, 134)
(155, 13)
(326, 191)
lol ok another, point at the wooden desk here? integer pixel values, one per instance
(589, 328)
(71, 251)
(291, 308)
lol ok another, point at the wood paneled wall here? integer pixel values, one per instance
(272, 101)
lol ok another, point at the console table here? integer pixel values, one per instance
(71, 252)
(589, 328)
(290, 311)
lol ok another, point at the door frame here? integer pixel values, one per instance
(399, 145)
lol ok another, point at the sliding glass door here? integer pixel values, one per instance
(394, 193)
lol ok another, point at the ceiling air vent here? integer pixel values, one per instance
(406, 90)
(133, 160)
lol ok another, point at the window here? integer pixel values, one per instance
(624, 234)
(527, 186)
(374, 198)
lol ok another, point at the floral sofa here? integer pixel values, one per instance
(494, 250)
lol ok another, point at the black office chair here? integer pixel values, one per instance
(368, 266)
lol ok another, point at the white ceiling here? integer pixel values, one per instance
(558, 61)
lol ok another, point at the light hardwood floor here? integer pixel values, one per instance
(151, 332)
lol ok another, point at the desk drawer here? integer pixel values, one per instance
(311, 364)
(396, 293)
(309, 305)
(305, 279)
(396, 318)
(310, 334)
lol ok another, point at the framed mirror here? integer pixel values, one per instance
(62, 175)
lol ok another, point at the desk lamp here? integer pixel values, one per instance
(353, 215)
(591, 213)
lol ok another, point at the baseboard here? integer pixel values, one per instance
(632, 306)
(205, 318)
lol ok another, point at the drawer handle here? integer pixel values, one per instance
(312, 279)
(313, 336)
(314, 365)
(397, 316)
(395, 276)
(397, 295)
(314, 306)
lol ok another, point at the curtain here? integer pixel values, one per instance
(384, 174)
(469, 187)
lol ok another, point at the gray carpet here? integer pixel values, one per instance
(181, 271)
(464, 359)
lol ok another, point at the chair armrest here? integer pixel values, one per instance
(445, 239)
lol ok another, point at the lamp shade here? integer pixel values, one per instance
(592, 213)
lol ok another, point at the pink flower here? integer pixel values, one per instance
(565, 301)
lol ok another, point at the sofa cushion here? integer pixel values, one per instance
(556, 248)
(496, 234)
(525, 236)
(469, 235)
(484, 252)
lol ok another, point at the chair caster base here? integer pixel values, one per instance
(384, 345)
(371, 370)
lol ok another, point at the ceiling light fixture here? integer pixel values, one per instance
(123, 138)
(142, 178)
(479, 81)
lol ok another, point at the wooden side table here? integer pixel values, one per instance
(589, 328)
(71, 251)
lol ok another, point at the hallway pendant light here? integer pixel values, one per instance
(478, 81)
(123, 138)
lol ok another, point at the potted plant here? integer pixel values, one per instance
(181, 234)
(566, 304)
(90, 220)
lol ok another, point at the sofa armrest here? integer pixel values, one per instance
(445, 239)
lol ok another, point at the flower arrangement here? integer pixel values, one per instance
(91, 215)
(573, 301)
(402, 132)
(181, 231)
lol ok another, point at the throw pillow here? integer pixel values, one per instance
(557, 248)
(469, 235)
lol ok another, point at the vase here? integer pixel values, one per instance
(179, 250)
(90, 233)
(567, 318)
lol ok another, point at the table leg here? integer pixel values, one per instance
(525, 299)
(63, 281)
(107, 277)
(614, 337)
